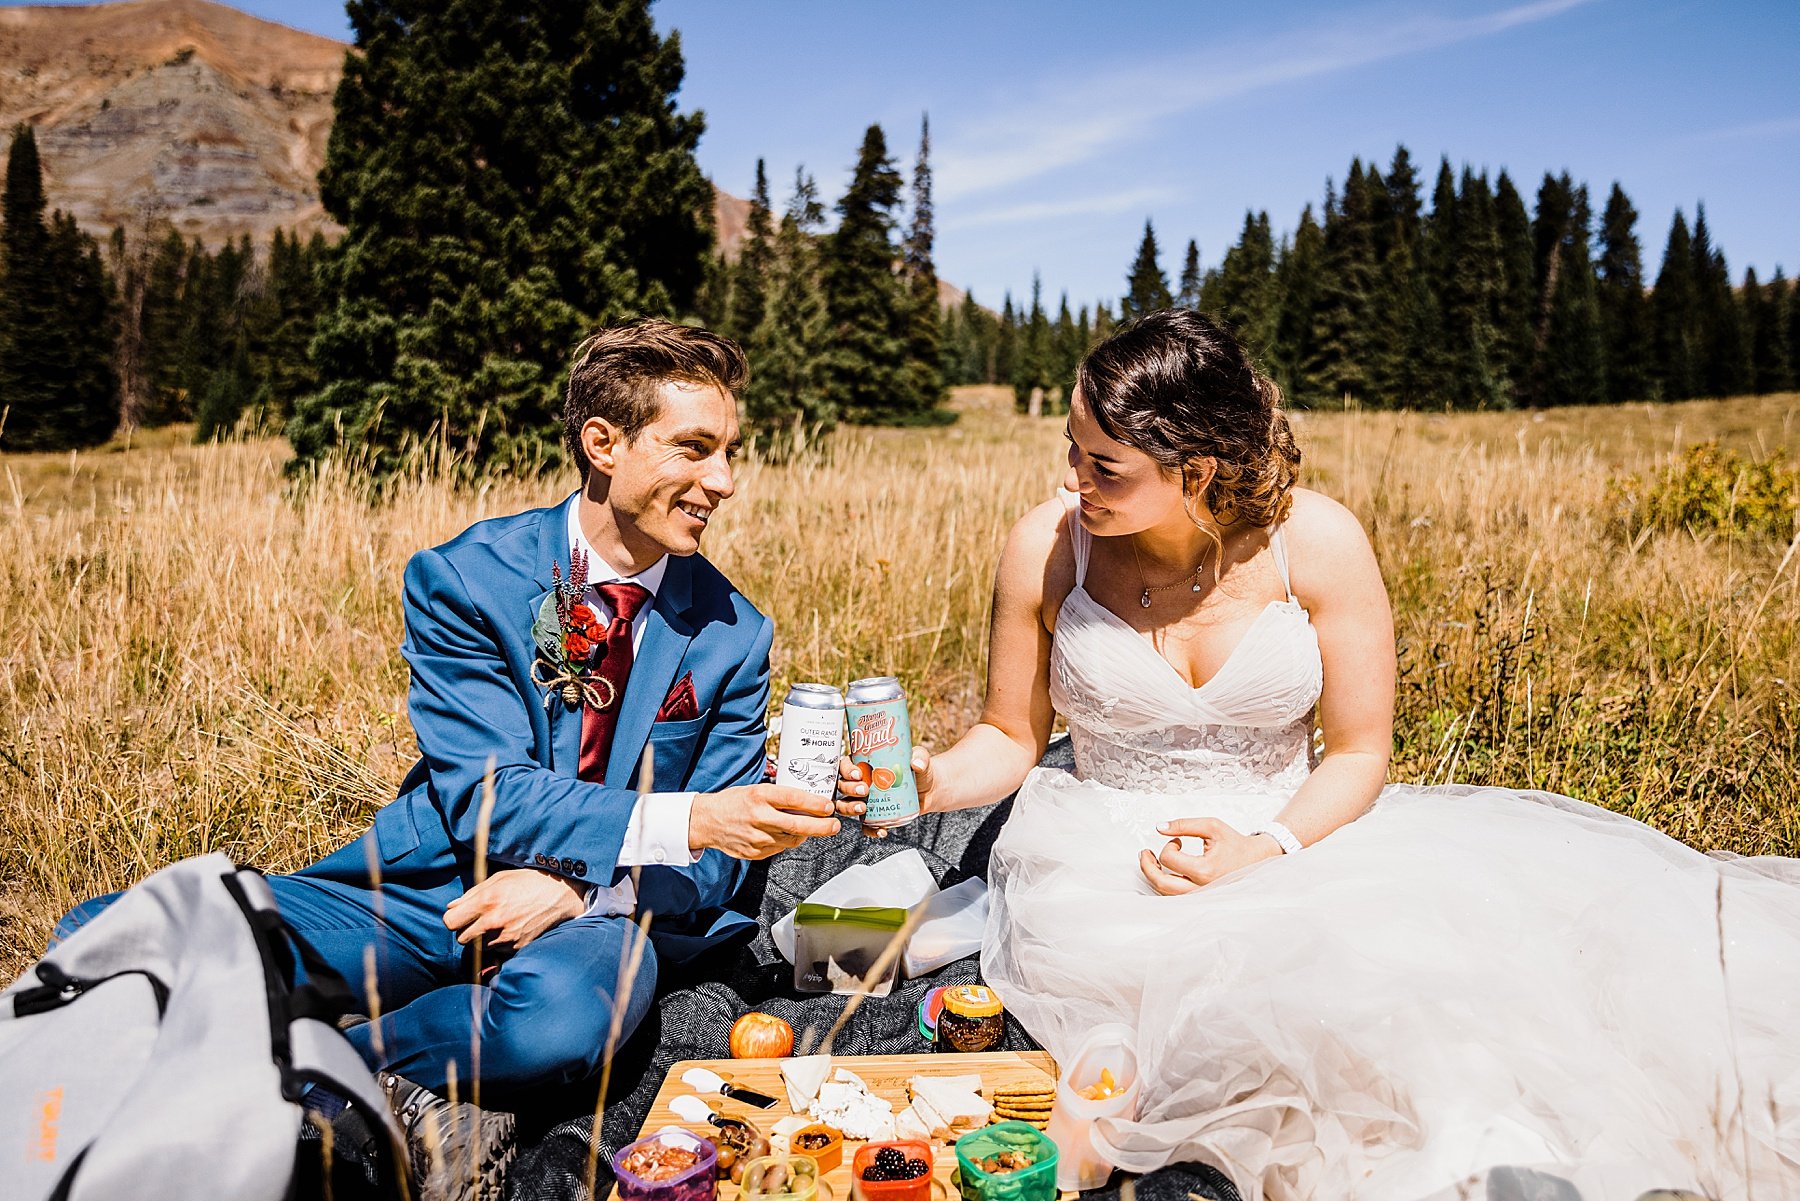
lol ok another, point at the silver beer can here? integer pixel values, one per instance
(812, 739)
(881, 748)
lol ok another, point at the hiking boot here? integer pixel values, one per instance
(457, 1152)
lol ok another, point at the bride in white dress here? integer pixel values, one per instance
(1338, 989)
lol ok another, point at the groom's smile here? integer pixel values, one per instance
(666, 483)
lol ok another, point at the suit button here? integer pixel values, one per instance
(567, 866)
(581, 869)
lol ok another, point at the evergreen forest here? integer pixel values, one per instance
(508, 179)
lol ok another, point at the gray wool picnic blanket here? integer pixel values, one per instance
(694, 1015)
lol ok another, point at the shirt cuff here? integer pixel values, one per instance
(620, 900)
(657, 833)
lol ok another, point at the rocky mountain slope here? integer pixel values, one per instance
(190, 112)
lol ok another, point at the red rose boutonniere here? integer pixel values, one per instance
(567, 634)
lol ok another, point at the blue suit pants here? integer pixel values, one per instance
(543, 1018)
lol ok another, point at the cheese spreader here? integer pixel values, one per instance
(705, 1080)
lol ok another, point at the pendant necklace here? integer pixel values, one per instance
(1144, 596)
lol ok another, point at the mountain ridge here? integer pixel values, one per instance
(194, 113)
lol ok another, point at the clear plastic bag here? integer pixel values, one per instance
(837, 950)
(1107, 1048)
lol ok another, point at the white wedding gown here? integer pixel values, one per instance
(1462, 978)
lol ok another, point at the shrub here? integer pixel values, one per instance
(1710, 490)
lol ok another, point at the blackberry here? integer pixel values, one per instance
(915, 1168)
(891, 1158)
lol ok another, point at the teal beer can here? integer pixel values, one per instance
(880, 743)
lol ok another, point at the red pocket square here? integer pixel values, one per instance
(680, 704)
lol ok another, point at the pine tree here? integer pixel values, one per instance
(1515, 320)
(1146, 288)
(1297, 285)
(922, 377)
(788, 392)
(1066, 349)
(747, 286)
(1468, 299)
(1187, 295)
(1766, 310)
(1342, 323)
(1673, 307)
(30, 335)
(1243, 293)
(507, 176)
(1006, 343)
(1034, 366)
(1722, 342)
(1569, 367)
(58, 389)
(868, 305)
(1409, 362)
(1624, 309)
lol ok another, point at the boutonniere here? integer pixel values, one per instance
(569, 638)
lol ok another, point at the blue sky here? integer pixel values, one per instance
(1058, 127)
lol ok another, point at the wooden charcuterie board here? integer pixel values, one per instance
(886, 1076)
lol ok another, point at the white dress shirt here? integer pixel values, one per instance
(657, 831)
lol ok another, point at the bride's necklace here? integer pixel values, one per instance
(1148, 592)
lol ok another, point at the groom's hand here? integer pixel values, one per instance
(513, 907)
(1222, 851)
(758, 820)
(853, 788)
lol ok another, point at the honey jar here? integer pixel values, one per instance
(973, 1019)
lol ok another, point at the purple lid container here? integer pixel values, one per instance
(698, 1183)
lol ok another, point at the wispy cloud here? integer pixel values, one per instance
(1047, 210)
(1781, 127)
(1074, 124)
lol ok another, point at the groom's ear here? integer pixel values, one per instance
(601, 442)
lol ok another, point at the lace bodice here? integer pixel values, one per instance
(1135, 724)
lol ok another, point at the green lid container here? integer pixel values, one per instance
(1035, 1183)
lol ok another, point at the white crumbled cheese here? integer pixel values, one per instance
(848, 1106)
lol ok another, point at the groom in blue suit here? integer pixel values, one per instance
(619, 715)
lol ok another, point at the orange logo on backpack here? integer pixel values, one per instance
(49, 1113)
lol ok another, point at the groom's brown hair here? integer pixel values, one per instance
(617, 371)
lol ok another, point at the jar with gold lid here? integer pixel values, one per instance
(973, 1019)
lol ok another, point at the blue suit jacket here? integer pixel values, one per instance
(470, 604)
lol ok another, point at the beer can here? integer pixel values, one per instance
(812, 738)
(881, 738)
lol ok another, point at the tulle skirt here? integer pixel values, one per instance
(1460, 979)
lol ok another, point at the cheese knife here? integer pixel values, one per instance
(705, 1080)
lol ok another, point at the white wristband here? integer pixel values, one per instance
(1282, 835)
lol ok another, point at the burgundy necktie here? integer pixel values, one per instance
(614, 667)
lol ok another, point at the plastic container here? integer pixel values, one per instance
(1035, 1183)
(916, 1189)
(1106, 1048)
(781, 1178)
(835, 950)
(697, 1183)
(828, 1157)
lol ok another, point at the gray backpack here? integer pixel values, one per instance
(160, 1052)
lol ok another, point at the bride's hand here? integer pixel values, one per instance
(853, 788)
(1223, 851)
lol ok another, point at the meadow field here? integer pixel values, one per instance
(196, 656)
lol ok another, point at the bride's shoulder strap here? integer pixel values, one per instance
(1079, 539)
(1281, 563)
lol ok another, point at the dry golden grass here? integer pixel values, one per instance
(195, 659)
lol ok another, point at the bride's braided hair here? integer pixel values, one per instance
(1179, 386)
